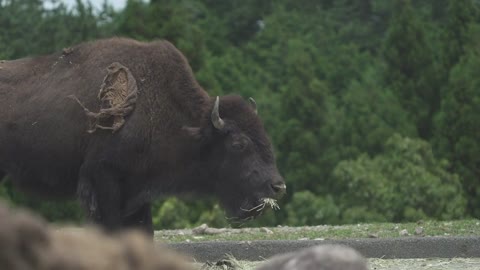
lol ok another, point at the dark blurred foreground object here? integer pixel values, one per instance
(323, 257)
(28, 243)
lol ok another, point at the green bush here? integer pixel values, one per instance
(405, 183)
(172, 214)
(64, 211)
(307, 208)
(214, 217)
(361, 214)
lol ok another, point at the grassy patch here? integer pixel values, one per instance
(374, 230)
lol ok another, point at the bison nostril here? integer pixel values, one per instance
(278, 188)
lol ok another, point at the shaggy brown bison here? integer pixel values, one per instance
(117, 122)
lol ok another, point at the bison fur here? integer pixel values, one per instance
(118, 122)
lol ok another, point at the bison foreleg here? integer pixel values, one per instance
(100, 193)
(140, 219)
(88, 199)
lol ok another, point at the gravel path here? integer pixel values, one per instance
(425, 264)
(384, 264)
(414, 250)
(385, 248)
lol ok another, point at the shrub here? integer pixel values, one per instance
(307, 208)
(172, 214)
(405, 183)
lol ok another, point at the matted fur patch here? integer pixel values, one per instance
(118, 96)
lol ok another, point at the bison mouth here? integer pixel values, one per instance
(248, 211)
(263, 202)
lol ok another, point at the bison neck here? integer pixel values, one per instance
(195, 175)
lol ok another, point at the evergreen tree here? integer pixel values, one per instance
(454, 138)
(458, 126)
(175, 21)
(458, 33)
(29, 29)
(410, 67)
(369, 115)
(242, 18)
(303, 99)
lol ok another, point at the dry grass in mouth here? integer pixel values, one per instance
(264, 202)
(258, 208)
(271, 202)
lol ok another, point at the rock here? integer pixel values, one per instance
(215, 231)
(200, 229)
(373, 235)
(266, 230)
(325, 257)
(204, 229)
(419, 231)
(403, 232)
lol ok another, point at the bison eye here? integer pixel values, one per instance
(239, 145)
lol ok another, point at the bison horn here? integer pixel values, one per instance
(253, 104)
(216, 120)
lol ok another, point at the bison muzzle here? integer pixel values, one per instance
(117, 123)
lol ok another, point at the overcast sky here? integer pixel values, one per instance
(117, 4)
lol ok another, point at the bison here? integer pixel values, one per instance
(117, 122)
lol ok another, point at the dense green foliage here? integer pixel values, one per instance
(398, 185)
(373, 106)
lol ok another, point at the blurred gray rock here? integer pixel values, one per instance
(419, 231)
(321, 257)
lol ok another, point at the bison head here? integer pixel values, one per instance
(241, 158)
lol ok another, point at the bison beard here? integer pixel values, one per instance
(150, 130)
